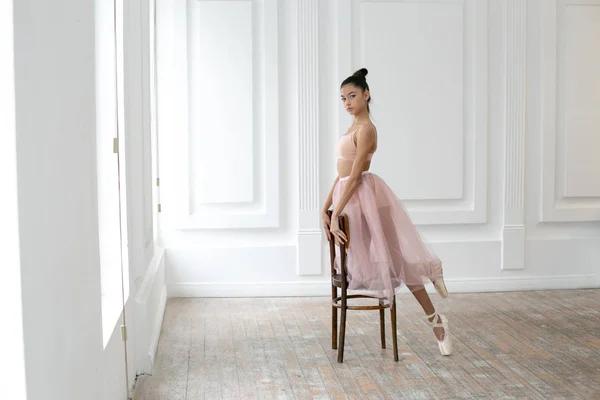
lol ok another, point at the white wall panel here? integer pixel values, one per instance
(570, 103)
(428, 77)
(222, 103)
(581, 105)
(220, 168)
(415, 54)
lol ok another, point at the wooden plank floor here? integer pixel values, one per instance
(521, 345)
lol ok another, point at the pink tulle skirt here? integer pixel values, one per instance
(385, 248)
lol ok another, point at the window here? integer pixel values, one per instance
(110, 165)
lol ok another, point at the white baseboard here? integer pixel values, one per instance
(523, 283)
(513, 247)
(156, 329)
(323, 288)
(151, 301)
(254, 289)
(147, 284)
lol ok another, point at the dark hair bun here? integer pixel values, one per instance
(361, 73)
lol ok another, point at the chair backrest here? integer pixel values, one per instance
(344, 227)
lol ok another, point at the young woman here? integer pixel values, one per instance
(385, 249)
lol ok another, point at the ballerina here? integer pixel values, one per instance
(386, 249)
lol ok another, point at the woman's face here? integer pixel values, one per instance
(354, 99)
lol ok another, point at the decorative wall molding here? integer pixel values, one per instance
(308, 89)
(175, 121)
(309, 232)
(556, 206)
(513, 235)
(268, 262)
(472, 207)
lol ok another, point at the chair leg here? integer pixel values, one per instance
(334, 319)
(342, 327)
(382, 323)
(394, 331)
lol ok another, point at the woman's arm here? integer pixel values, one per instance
(329, 200)
(324, 215)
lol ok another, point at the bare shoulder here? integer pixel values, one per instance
(367, 133)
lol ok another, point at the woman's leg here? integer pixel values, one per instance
(425, 301)
(391, 233)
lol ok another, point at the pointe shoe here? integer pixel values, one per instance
(440, 287)
(440, 321)
(438, 282)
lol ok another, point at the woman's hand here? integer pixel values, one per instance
(340, 236)
(326, 223)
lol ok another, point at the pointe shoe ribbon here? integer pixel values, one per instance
(440, 321)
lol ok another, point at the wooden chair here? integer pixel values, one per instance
(341, 281)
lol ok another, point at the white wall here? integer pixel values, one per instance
(484, 108)
(55, 123)
(12, 362)
(50, 117)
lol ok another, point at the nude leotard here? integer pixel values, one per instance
(346, 149)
